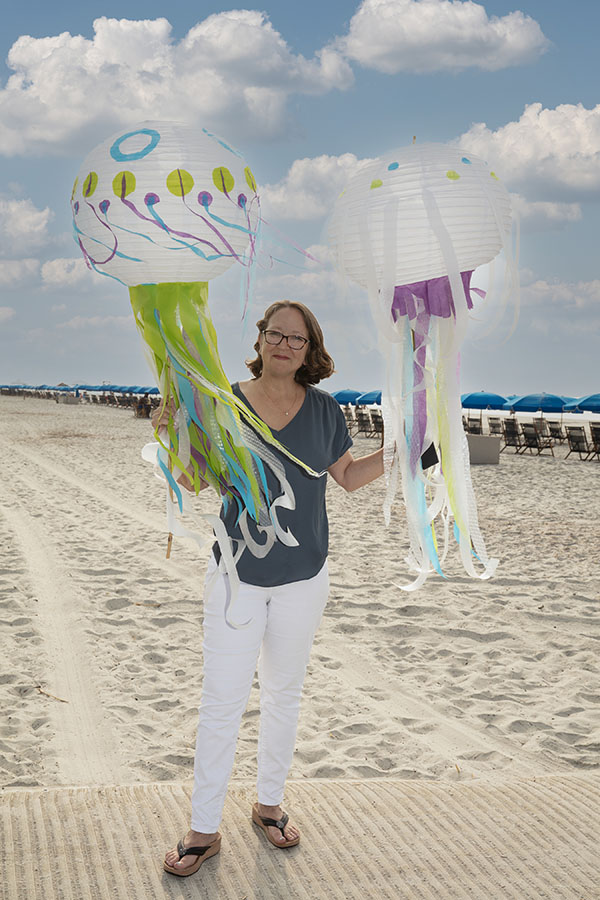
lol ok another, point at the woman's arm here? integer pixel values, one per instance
(160, 418)
(352, 474)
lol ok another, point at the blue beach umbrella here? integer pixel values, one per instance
(591, 403)
(347, 395)
(369, 398)
(536, 403)
(483, 400)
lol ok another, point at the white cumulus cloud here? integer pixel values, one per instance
(544, 215)
(6, 313)
(566, 296)
(547, 153)
(14, 272)
(64, 272)
(22, 226)
(560, 310)
(432, 35)
(310, 186)
(232, 70)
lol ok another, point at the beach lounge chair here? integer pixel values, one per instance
(474, 426)
(578, 442)
(363, 422)
(512, 435)
(494, 425)
(595, 432)
(541, 426)
(369, 423)
(556, 432)
(350, 419)
(377, 423)
(535, 440)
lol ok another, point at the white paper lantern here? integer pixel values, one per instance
(164, 202)
(389, 202)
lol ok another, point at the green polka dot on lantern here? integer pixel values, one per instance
(75, 183)
(452, 175)
(377, 182)
(223, 179)
(123, 184)
(179, 182)
(250, 179)
(493, 175)
(90, 184)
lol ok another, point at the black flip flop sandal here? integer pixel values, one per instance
(266, 823)
(203, 853)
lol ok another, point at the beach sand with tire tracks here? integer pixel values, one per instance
(100, 669)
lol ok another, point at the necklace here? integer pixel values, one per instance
(287, 411)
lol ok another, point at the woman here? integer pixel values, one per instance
(282, 595)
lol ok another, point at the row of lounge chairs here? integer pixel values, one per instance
(495, 425)
(361, 420)
(142, 405)
(535, 437)
(541, 435)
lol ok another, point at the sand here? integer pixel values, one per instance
(100, 663)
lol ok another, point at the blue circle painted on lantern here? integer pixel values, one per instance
(205, 199)
(242, 200)
(115, 150)
(466, 161)
(151, 199)
(393, 166)
(104, 204)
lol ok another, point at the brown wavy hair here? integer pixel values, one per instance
(318, 363)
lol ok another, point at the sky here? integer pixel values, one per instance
(306, 92)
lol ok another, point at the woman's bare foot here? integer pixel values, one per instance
(192, 839)
(275, 812)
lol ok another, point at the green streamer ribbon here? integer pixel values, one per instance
(175, 323)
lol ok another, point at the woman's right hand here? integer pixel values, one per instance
(160, 420)
(185, 480)
(160, 416)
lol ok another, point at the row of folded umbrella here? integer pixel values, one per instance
(103, 388)
(485, 400)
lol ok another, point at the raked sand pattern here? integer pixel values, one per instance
(523, 839)
(459, 683)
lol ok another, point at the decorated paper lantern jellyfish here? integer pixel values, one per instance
(164, 208)
(410, 228)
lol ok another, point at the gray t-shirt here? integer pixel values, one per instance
(318, 436)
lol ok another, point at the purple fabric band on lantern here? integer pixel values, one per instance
(435, 293)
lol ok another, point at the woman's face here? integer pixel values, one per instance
(280, 360)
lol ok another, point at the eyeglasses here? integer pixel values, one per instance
(294, 341)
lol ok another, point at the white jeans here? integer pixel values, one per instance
(284, 620)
